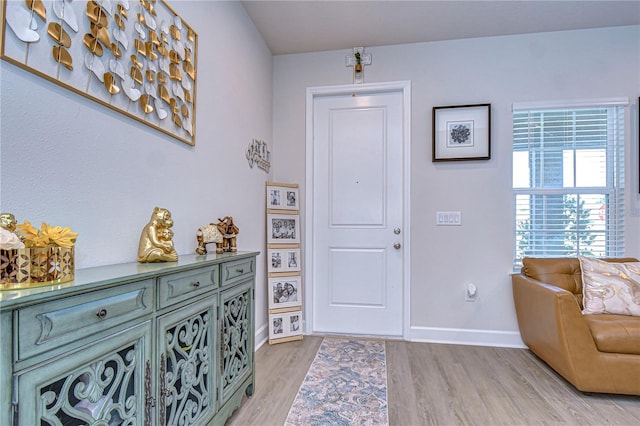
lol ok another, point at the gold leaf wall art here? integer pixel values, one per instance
(137, 57)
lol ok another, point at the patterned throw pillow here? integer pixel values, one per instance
(610, 288)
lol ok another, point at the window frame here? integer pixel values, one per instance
(614, 148)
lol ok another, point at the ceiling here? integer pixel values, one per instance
(310, 26)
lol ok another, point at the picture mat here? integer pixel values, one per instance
(281, 325)
(280, 293)
(283, 228)
(282, 198)
(286, 260)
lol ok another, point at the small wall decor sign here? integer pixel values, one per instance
(461, 132)
(258, 153)
(138, 58)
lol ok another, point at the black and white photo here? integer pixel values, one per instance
(292, 198)
(274, 198)
(277, 326)
(276, 260)
(294, 323)
(292, 259)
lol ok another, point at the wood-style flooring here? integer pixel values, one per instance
(436, 384)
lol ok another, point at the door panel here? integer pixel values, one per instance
(357, 277)
(358, 202)
(357, 154)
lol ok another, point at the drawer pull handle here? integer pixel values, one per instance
(240, 270)
(102, 313)
(196, 284)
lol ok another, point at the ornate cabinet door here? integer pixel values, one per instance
(105, 383)
(236, 338)
(187, 359)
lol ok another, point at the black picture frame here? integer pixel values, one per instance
(461, 133)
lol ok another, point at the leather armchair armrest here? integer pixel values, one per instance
(551, 324)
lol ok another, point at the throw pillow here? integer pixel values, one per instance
(610, 288)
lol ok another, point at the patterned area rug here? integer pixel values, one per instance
(345, 385)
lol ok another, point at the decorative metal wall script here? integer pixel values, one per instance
(137, 57)
(258, 153)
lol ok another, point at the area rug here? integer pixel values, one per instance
(346, 385)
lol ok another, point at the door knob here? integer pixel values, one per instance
(396, 231)
(397, 246)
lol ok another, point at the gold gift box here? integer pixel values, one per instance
(35, 267)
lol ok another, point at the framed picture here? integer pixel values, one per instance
(283, 228)
(285, 292)
(462, 132)
(281, 197)
(283, 260)
(142, 68)
(285, 324)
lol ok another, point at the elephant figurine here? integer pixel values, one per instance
(223, 234)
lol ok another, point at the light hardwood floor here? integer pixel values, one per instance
(435, 384)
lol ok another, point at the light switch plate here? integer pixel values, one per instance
(448, 218)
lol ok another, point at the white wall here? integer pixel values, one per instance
(69, 161)
(497, 70)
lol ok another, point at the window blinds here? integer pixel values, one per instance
(568, 181)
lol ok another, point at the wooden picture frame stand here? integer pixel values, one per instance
(284, 265)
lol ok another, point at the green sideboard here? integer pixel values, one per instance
(136, 344)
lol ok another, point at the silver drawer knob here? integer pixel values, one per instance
(196, 284)
(102, 313)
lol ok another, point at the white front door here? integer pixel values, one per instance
(357, 224)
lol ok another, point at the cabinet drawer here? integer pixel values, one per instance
(177, 287)
(239, 270)
(49, 325)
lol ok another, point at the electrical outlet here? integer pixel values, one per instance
(471, 293)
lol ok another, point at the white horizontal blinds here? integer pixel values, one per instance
(568, 181)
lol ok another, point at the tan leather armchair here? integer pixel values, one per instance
(595, 353)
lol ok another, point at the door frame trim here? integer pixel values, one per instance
(312, 92)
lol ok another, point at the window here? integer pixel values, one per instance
(568, 180)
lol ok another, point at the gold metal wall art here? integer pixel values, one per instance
(137, 57)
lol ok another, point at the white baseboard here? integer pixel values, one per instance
(461, 336)
(453, 336)
(262, 336)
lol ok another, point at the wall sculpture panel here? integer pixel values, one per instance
(138, 57)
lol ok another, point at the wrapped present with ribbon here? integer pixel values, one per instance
(31, 257)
